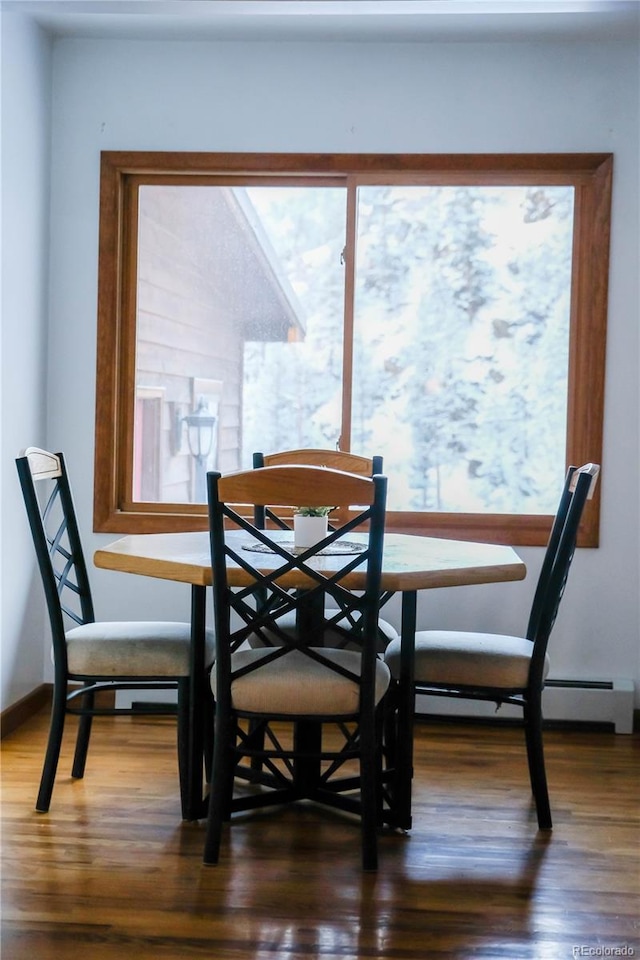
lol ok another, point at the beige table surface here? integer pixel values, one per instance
(409, 562)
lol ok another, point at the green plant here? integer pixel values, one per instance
(313, 511)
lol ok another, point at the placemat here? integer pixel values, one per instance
(341, 547)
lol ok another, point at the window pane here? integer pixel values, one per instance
(462, 316)
(292, 391)
(239, 322)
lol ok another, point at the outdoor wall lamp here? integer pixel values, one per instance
(200, 436)
(200, 432)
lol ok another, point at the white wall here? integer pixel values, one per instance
(358, 98)
(26, 108)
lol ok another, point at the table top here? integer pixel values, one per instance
(409, 562)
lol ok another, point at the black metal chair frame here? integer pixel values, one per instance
(67, 591)
(312, 458)
(367, 466)
(290, 773)
(546, 601)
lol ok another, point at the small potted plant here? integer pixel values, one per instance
(310, 525)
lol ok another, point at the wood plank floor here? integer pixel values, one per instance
(111, 872)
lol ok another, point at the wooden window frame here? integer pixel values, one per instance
(122, 172)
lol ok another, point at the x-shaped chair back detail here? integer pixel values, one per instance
(57, 543)
(579, 486)
(296, 581)
(313, 457)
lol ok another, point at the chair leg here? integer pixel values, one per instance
(381, 764)
(56, 729)
(82, 740)
(184, 698)
(369, 793)
(222, 786)
(208, 739)
(398, 757)
(535, 757)
(389, 726)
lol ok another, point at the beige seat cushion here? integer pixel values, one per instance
(132, 648)
(471, 659)
(387, 633)
(296, 685)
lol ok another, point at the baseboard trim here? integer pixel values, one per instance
(18, 713)
(590, 701)
(471, 720)
(550, 724)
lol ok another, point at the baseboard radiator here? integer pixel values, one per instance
(577, 701)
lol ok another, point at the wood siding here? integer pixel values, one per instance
(187, 326)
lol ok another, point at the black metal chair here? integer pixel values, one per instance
(505, 669)
(275, 703)
(313, 457)
(336, 460)
(94, 656)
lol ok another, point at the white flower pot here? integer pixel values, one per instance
(308, 530)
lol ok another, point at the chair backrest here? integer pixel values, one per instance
(579, 487)
(335, 459)
(314, 457)
(260, 592)
(56, 539)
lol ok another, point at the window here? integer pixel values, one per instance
(446, 312)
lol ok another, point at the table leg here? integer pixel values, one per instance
(406, 714)
(308, 733)
(307, 741)
(197, 702)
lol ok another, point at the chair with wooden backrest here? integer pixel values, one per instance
(314, 457)
(274, 702)
(336, 460)
(505, 669)
(93, 656)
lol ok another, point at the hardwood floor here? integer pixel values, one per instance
(111, 872)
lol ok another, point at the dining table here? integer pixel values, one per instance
(411, 563)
